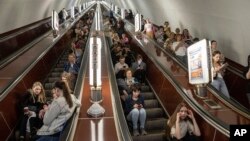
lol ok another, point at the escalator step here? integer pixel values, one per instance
(58, 70)
(145, 88)
(48, 93)
(156, 124)
(153, 103)
(61, 61)
(55, 74)
(59, 65)
(53, 79)
(148, 95)
(151, 137)
(48, 86)
(154, 113)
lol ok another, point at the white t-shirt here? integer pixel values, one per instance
(148, 27)
(185, 126)
(182, 51)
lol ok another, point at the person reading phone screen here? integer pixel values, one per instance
(218, 71)
(135, 109)
(183, 125)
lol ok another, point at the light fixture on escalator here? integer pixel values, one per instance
(95, 76)
(97, 18)
(55, 23)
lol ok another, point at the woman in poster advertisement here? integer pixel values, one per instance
(218, 71)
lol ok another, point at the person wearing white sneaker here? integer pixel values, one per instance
(135, 109)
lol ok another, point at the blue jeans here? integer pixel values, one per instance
(135, 115)
(48, 138)
(183, 59)
(221, 86)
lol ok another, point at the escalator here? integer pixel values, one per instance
(156, 116)
(47, 68)
(172, 87)
(55, 74)
(234, 79)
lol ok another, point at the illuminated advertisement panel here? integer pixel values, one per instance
(72, 12)
(137, 22)
(55, 20)
(123, 13)
(116, 9)
(198, 62)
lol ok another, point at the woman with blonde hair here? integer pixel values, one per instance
(183, 125)
(32, 103)
(57, 113)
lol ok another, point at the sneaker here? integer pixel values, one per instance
(135, 132)
(143, 132)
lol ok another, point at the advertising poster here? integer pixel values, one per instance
(123, 13)
(198, 66)
(55, 21)
(72, 12)
(137, 22)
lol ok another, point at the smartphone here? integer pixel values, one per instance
(224, 66)
(139, 105)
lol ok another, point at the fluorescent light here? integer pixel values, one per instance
(95, 62)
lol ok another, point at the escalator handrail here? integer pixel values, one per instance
(32, 26)
(23, 49)
(21, 76)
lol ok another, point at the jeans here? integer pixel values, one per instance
(48, 138)
(183, 59)
(135, 115)
(54, 137)
(221, 86)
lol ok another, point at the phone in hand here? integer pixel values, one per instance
(139, 106)
(223, 66)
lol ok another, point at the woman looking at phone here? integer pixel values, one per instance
(135, 109)
(218, 71)
(183, 124)
(56, 115)
(32, 103)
